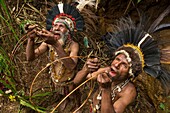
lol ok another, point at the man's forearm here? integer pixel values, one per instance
(80, 77)
(30, 54)
(106, 102)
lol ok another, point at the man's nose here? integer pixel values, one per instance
(56, 28)
(117, 64)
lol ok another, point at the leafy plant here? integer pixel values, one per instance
(138, 1)
(7, 72)
(162, 106)
(8, 19)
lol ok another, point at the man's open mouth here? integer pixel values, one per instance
(56, 34)
(112, 72)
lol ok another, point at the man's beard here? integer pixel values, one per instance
(63, 37)
(115, 78)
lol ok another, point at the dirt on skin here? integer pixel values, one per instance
(151, 95)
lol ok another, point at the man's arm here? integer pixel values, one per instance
(105, 87)
(80, 76)
(31, 54)
(106, 102)
(69, 63)
(90, 66)
(126, 97)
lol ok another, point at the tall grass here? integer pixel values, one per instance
(6, 71)
(7, 19)
(7, 66)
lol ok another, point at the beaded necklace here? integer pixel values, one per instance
(61, 69)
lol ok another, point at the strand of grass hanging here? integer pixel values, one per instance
(91, 90)
(18, 43)
(30, 95)
(25, 37)
(71, 93)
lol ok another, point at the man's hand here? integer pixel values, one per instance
(31, 31)
(47, 35)
(103, 78)
(91, 65)
(30, 27)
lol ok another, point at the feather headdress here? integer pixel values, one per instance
(70, 14)
(144, 46)
(67, 14)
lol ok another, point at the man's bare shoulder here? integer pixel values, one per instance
(74, 43)
(130, 87)
(129, 90)
(74, 46)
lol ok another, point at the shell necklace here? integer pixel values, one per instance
(118, 88)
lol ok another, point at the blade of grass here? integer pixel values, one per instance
(11, 28)
(4, 7)
(28, 104)
(7, 69)
(5, 84)
(42, 94)
(8, 19)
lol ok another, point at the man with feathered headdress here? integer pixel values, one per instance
(63, 20)
(133, 50)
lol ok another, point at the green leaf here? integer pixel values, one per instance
(41, 94)
(5, 84)
(10, 26)
(5, 8)
(138, 1)
(1, 92)
(162, 106)
(11, 82)
(28, 104)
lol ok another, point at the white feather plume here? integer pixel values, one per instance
(83, 3)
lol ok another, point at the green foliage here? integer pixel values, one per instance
(162, 106)
(26, 103)
(5, 8)
(41, 94)
(138, 1)
(4, 67)
(8, 19)
(7, 76)
(6, 71)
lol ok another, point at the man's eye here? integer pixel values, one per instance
(61, 26)
(117, 59)
(125, 66)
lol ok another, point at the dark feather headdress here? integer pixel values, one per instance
(144, 46)
(67, 14)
